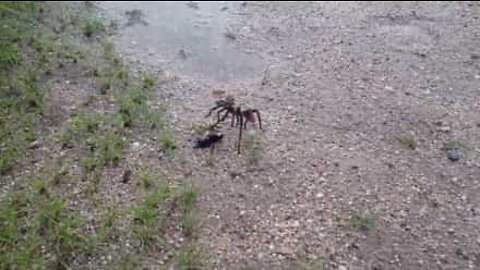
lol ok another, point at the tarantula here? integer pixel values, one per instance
(227, 105)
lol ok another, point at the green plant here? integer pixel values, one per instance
(190, 258)
(108, 220)
(39, 231)
(186, 197)
(253, 148)
(79, 127)
(408, 140)
(109, 50)
(317, 264)
(148, 81)
(167, 140)
(110, 146)
(200, 128)
(92, 26)
(147, 180)
(189, 224)
(455, 144)
(364, 221)
(105, 148)
(156, 118)
(147, 216)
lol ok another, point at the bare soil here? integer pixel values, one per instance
(360, 105)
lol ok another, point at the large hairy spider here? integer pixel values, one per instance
(227, 105)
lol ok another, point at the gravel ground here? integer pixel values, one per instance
(359, 102)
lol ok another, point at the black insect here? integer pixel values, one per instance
(209, 141)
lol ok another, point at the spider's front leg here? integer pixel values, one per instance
(223, 117)
(212, 110)
(218, 115)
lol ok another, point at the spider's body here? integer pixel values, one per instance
(228, 106)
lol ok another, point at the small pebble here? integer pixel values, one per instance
(454, 154)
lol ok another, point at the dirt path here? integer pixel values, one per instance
(360, 100)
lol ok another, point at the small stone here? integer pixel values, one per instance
(287, 252)
(34, 145)
(454, 154)
(135, 145)
(342, 267)
(451, 230)
(319, 195)
(444, 129)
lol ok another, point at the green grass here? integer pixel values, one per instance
(109, 50)
(190, 258)
(167, 140)
(147, 180)
(39, 232)
(408, 140)
(93, 26)
(104, 149)
(41, 229)
(148, 218)
(29, 50)
(253, 148)
(80, 127)
(455, 144)
(186, 197)
(148, 81)
(200, 128)
(311, 265)
(364, 221)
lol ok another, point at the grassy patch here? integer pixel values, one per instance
(364, 221)
(147, 180)
(92, 26)
(104, 149)
(408, 140)
(253, 148)
(167, 140)
(455, 144)
(148, 81)
(148, 218)
(186, 198)
(311, 265)
(80, 127)
(39, 231)
(155, 118)
(200, 128)
(190, 258)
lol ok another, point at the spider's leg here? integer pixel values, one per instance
(212, 149)
(218, 114)
(212, 110)
(247, 117)
(221, 119)
(259, 118)
(240, 133)
(238, 115)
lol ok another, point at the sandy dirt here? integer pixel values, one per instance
(349, 86)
